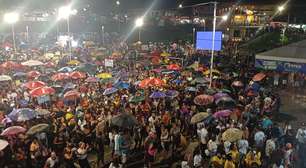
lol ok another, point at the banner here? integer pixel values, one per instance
(280, 66)
(109, 63)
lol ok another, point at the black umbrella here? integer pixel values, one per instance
(124, 120)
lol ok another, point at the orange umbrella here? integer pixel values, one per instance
(258, 77)
(203, 99)
(33, 74)
(149, 82)
(42, 91)
(34, 84)
(173, 67)
(72, 95)
(77, 75)
(10, 65)
(60, 76)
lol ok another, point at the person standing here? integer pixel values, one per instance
(52, 161)
(82, 155)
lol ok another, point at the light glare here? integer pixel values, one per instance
(139, 22)
(11, 17)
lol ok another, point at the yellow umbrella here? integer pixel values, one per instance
(213, 71)
(164, 54)
(68, 116)
(104, 75)
(73, 62)
(232, 135)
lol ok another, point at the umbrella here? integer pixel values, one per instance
(49, 64)
(3, 144)
(164, 54)
(72, 95)
(65, 69)
(92, 79)
(73, 62)
(232, 135)
(60, 76)
(13, 130)
(10, 65)
(32, 63)
(22, 114)
(199, 117)
(37, 129)
(136, 99)
(19, 74)
(214, 71)
(42, 112)
(157, 95)
(33, 74)
(86, 67)
(173, 67)
(4, 78)
(104, 75)
(225, 91)
(191, 89)
(222, 113)
(172, 93)
(266, 123)
(237, 84)
(34, 84)
(77, 75)
(41, 91)
(109, 91)
(225, 102)
(259, 77)
(210, 91)
(122, 85)
(124, 120)
(201, 80)
(203, 100)
(220, 95)
(149, 82)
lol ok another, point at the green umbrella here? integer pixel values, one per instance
(136, 99)
(226, 91)
(37, 129)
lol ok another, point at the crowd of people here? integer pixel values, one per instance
(57, 115)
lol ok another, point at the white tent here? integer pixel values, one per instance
(295, 53)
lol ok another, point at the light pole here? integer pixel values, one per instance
(27, 33)
(64, 12)
(213, 45)
(102, 35)
(139, 24)
(12, 18)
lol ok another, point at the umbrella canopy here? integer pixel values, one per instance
(136, 99)
(172, 93)
(199, 117)
(173, 67)
(104, 75)
(34, 84)
(225, 102)
(259, 77)
(232, 135)
(150, 82)
(32, 63)
(4, 78)
(65, 69)
(60, 76)
(109, 91)
(92, 79)
(22, 114)
(157, 95)
(165, 54)
(37, 129)
(72, 95)
(3, 144)
(86, 67)
(33, 74)
(222, 113)
(220, 95)
(20, 74)
(42, 112)
(41, 91)
(77, 75)
(191, 89)
(203, 100)
(214, 72)
(201, 80)
(124, 120)
(73, 62)
(237, 84)
(122, 85)
(13, 130)
(49, 64)
(10, 65)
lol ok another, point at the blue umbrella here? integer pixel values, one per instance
(177, 81)
(191, 89)
(109, 91)
(157, 95)
(65, 69)
(122, 85)
(172, 93)
(266, 123)
(23, 114)
(19, 74)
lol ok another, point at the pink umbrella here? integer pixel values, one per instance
(222, 113)
(92, 79)
(13, 130)
(220, 95)
(203, 100)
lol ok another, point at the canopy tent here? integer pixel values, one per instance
(290, 58)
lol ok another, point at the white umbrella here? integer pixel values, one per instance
(32, 63)
(5, 78)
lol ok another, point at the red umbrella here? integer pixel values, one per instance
(10, 65)
(72, 95)
(149, 82)
(203, 99)
(144, 83)
(42, 91)
(60, 76)
(258, 77)
(13, 130)
(33, 74)
(34, 84)
(222, 113)
(173, 67)
(77, 75)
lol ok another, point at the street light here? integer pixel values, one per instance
(118, 3)
(281, 8)
(12, 18)
(180, 6)
(224, 17)
(139, 24)
(64, 12)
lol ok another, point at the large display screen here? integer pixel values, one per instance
(204, 40)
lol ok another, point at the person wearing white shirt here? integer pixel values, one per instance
(212, 146)
(197, 160)
(243, 146)
(227, 146)
(117, 145)
(270, 147)
(259, 138)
